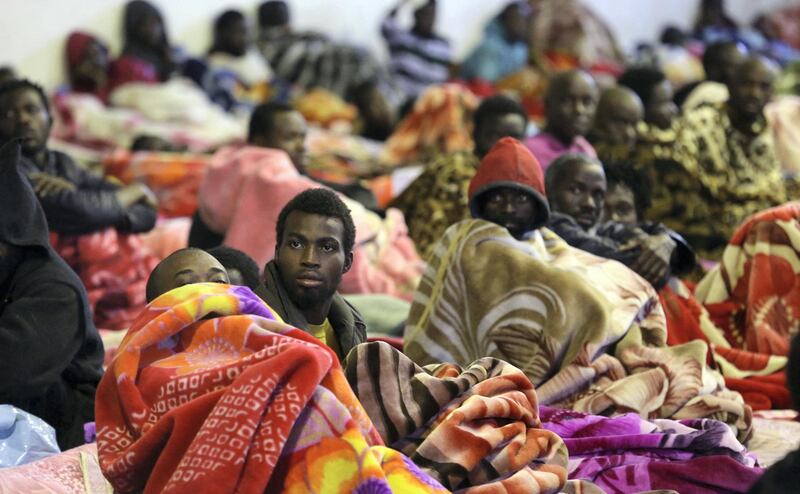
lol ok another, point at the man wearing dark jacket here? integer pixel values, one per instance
(74, 201)
(315, 238)
(50, 352)
(576, 186)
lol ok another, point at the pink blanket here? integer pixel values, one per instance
(246, 187)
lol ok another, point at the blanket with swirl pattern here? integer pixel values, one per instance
(210, 388)
(588, 332)
(473, 428)
(753, 298)
(477, 422)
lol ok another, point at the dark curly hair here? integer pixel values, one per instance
(15, 84)
(323, 202)
(262, 120)
(624, 173)
(494, 106)
(231, 258)
(642, 81)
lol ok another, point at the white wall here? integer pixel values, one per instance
(32, 32)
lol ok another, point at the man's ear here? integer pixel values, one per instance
(277, 249)
(348, 262)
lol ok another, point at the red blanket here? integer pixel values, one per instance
(174, 177)
(114, 268)
(209, 388)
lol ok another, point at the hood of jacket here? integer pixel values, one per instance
(510, 164)
(22, 220)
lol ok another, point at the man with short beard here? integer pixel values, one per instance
(315, 238)
(75, 201)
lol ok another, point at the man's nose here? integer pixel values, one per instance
(309, 256)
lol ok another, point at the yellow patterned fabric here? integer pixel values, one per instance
(715, 178)
(437, 199)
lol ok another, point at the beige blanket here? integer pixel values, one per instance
(588, 332)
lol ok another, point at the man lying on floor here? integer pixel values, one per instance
(51, 352)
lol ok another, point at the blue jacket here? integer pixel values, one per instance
(494, 57)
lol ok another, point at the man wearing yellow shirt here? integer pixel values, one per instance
(315, 238)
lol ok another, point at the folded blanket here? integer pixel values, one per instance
(587, 331)
(246, 188)
(114, 268)
(475, 429)
(210, 388)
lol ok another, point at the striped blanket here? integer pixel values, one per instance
(588, 332)
(210, 388)
(482, 427)
(475, 429)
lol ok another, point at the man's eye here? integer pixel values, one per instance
(294, 244)
(328, 248)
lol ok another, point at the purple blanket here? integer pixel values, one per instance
(626, 454)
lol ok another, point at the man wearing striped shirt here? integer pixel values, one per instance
(419, 57)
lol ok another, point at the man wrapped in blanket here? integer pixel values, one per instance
(587, 331)
(211, 387)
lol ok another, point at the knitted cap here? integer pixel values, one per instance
(509, 164)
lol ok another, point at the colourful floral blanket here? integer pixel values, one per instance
(440, 122)
(588, 332)
(753, 299)
(759, 377)
(753, 294)
(210, 388)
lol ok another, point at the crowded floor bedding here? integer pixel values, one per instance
(313, 270)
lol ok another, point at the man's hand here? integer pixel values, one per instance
(136, 193)
(45, 184)
(653, 262)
